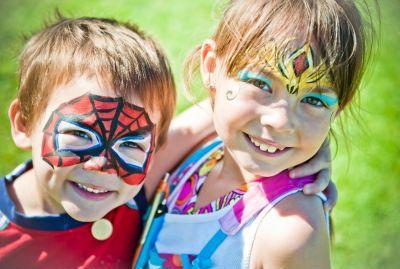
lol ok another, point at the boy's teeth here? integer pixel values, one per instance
(88, 189)
(263, 147)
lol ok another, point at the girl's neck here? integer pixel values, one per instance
(233, 171)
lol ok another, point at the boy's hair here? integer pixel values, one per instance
(336, 26)
(117, 53)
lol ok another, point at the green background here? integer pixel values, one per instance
(367, 216)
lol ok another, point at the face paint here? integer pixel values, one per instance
(329, 101)
(112, 135)
(246, 75)
(298, 71)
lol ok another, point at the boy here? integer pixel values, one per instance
(95, 100)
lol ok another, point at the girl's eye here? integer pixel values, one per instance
(259, 84)
(314, 101)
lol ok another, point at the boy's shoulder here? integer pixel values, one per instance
(293, 234)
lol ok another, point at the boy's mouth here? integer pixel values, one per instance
(90, 191)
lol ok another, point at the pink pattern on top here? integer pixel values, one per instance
(186, 201)
(265, 192)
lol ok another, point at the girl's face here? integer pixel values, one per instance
(275, 117)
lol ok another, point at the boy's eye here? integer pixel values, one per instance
(80, 134)
(134, 149)
(74, 136)
(129, 144)
(314, 101)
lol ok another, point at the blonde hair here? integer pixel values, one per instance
(336, 26)
(129, 59)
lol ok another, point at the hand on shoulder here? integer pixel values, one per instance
(293, 235)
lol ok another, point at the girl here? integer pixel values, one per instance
(278, 72)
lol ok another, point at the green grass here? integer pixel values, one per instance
(367, 217)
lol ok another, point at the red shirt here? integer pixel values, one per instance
(59, 241)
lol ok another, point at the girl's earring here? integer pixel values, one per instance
(210, 84)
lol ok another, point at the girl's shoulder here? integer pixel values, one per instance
(294, 235)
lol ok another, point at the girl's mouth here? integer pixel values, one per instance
(91, 192)
(264, 147)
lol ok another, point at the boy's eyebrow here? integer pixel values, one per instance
(140, 132)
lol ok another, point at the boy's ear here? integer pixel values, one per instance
(19, 131)
(208, 63)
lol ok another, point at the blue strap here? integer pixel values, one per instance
(212, 245)
(185, 261)
(203, 259)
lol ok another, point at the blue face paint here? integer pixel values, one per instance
(245, 75)
(328, 100)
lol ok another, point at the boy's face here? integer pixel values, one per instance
(91, 150)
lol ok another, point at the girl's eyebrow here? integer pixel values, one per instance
(329, 100)
(245, 75)
(321, 90)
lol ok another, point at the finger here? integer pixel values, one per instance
(321, 160)
(316, 164)
(320, 183)
(332, 196)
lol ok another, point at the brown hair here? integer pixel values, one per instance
(129, 59)
(336, 26)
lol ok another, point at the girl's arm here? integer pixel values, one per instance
(186, 131)
(293, 236)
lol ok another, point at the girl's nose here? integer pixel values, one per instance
(101, 164)
(278, 118)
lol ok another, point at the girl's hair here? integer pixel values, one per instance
(337, 27)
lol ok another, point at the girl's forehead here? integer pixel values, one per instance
(296, 67)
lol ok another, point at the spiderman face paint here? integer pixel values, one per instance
(104, 133)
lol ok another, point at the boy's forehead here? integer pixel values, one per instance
(81, 85)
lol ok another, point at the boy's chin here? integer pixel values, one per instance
(83, 215)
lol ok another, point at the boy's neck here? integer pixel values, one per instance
(28, 197)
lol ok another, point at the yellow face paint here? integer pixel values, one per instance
(297, 72)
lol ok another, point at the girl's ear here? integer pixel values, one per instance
(208, 64)
(19, 131)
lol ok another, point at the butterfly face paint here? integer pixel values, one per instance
(297, 73)
(112, 135)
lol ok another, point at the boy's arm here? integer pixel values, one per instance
(186, 131)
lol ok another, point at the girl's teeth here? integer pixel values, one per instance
(264, 147)
(88, 189)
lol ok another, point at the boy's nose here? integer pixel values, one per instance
(278, 118)
(101, 164)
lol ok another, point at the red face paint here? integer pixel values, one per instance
(106, 134)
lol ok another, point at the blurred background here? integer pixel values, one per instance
(367, 216)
